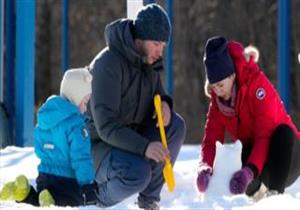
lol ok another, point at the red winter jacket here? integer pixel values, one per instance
(259, 110)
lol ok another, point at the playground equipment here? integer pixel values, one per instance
(17, 71)
(5, 138)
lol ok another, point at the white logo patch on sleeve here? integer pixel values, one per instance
(260, 93)
(49, 146)
(84, 132)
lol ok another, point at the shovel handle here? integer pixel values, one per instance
(157, 104)
(167, 171)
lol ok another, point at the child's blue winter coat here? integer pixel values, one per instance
(62, 141)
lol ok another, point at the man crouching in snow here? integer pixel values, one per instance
(246, 105)
(128, 154)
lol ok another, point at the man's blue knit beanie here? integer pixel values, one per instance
(152, 23)
(217, 61)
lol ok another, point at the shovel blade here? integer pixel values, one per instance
(169, 176)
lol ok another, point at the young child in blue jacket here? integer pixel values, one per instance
(62, 143)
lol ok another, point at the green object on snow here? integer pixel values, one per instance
(45, 198)
(22, 188)
(7, 192)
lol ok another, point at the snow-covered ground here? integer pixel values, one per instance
(15, 161)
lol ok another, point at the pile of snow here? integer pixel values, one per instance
(223, 171)
(15, 161)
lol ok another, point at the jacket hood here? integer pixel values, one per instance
(244, 70)
(118, 36)
(55, 110)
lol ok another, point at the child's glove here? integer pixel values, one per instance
(203, 178)
(89, 193)
(240, 180)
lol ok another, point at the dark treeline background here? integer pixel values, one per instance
(247, 21)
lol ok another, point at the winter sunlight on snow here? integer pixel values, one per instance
(15, 161)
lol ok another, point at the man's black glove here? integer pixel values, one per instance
(89, 193)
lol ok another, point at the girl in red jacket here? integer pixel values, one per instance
(245, 104)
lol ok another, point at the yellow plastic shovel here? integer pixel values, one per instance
(168, 170)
